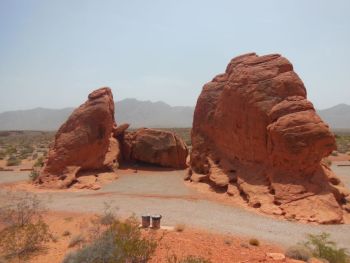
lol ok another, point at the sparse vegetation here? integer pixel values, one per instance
(299, 252)
(100, 250)
(254, 242)
(180, 227)
(75, 240)
(25, 230)
(34, 175)
(22, 145)
(109, 215)
(66, 233)
(343, 141)
(322, 247)
(188, 259)
(39, 162)
(2, 155)
(13, 161)
(114, 241)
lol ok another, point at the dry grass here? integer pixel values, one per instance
(254, 242)
(66, 233)
(180, 227)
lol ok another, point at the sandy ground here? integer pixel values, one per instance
(164, 192)
(215, 247)
(340, 157)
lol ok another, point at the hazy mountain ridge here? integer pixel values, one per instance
(140, 114)
(137, 113)
(338, 117)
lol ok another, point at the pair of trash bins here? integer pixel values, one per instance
(146, 221)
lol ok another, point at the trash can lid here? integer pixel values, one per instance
(156, 216)
(146, 215)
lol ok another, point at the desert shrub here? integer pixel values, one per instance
(188, 259)
(2, 155)
(109, 215)
(11, 150)
(66, 233)
(299, 252)
(33, 175)
(35, 156)
(13, 161)
(75, 240)
(322, 247)
(119, 242)
(39, 162)
(130, 245)
(100, 250)
(334, 153)
(25, 230)
(26, 151)
(180, 227)
(254, 242)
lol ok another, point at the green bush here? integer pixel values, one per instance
(299, 252)
(34, 174)
(13, 161)
(322, 247)
(100, 250)
(25, 230)
(120, 242)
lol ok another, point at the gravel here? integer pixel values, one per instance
(165, 193)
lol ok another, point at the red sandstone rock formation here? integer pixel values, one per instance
(84, 142)
(152, 146)
(255, 133)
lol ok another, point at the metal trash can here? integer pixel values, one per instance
(146, 221)
(156, 221)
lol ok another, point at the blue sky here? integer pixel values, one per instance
(53, 53)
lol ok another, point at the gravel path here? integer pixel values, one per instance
(164, 193)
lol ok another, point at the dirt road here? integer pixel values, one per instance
(163, 192)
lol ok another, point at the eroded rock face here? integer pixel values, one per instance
(255, 133)
(152, 146)
(84, 142)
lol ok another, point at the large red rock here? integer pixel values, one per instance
(255, 132)
(85, 142)
(163, 148)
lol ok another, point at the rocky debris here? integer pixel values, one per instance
(163, 148)
(84, 142)
(256, 134)
(120, 130)
(94, 181)
(276, 256)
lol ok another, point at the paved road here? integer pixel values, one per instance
(165, 193)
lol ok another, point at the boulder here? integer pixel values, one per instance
(163, 148)
(255, 130)
(84, 142)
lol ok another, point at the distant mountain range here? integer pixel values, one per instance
(140, 114)
(132, 111)
(338, 117)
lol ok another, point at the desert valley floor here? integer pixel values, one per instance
(164, 192)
